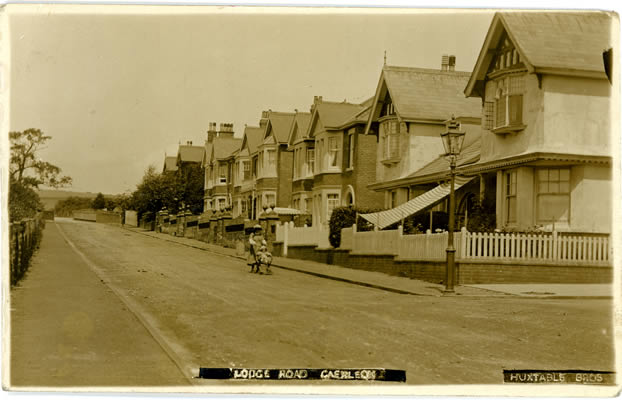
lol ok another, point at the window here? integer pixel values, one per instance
(351, 150)
(309, 205)
(244, 206)
(393, 199)
(506, 109)
(222, 204)
(553, 195)
(247, 170)
(271, 161)
(510, 196)
(255, 162)
(391, 139)
(320, 148)
(333, 151)
(310, 161)
(222, 173)
(332, 202)
(296, 173)
(260, 164)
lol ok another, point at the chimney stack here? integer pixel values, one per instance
(189, 143)
(265, 115)
(316, 101)
(445, 62)
(452, 63)
(226, 130)
(211, 132)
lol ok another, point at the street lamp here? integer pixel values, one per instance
(452, 141)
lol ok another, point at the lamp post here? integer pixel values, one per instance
(452, 141)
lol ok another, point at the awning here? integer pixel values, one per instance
(286, 211)
(382, 219)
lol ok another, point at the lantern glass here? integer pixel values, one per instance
(453, 139)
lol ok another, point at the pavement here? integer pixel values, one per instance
(404, 285)
(85, 337)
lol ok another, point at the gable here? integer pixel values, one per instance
(316, 125)
(506, 56)
(294, 135)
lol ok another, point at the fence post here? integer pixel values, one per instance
(554, 255)
(463, 243)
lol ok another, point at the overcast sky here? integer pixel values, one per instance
(117, 91)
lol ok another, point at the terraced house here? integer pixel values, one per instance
(245, 167)
(219, 148)
(273, 163)
(341, 157)
(303, 148)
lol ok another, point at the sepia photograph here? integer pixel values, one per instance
(310, 200)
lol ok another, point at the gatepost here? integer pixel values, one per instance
(187, 218)
(213, 228)
(268, 221)
(181, 222)
(225, 217)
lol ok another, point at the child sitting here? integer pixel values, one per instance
(263, 255)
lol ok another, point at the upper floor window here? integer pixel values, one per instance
(333, 151)
(271, 160)
(350, 153)
(310, 161)
(255, 163)
(222, 173)
(320, 148)
(391, 148)
(503, 108)
(247, 169)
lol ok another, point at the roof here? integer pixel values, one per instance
(280, 124)
(468, 155)
(335, 115)
(301, 122)
(207, 154)
(224, 147)
(170, 163)
(361, 116)
(253, 136)
(551, 42)
(427, 94)
(189, 153)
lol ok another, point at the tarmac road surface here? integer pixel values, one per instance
(206, 310)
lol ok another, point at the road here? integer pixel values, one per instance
(207, 310)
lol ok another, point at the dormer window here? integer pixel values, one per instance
(503, 110)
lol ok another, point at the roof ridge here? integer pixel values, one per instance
(424, 70)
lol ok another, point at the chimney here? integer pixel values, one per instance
(452, 63)
(264, 118)
(445, 62)
(189, 143)
(316, 101)
(226, 130)
(211, 132)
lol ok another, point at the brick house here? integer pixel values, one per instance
(303, 149)
(546, 116)
(245, 172)
(273, 162)
(221, 144)
(341, 154)
(408, 114)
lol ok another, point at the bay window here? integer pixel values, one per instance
(333, 152)
(247, 169)
(391, 148)
(503, 111)
(310, 161)
(350, 163)
(222, 173)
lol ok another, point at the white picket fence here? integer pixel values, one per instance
(552, 247)
(427, 247)
(290, 235)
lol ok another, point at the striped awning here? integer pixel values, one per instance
(382, 219)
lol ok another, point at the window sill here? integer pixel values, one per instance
(390, 161)
(502, 130)
(350, 169)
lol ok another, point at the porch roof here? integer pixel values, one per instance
(382, 219)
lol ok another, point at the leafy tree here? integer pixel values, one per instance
(24, 202)
(99, 202)
(345, 217)
(155, 191)
(26, 168)
(191, 182)
(66, 207)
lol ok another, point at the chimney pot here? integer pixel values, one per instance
(444, 62)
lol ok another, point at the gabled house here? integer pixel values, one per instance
(222, 144)
(408, 114)
(546, 119)
(274, 163)
(170, 164)
(244, 203)
(303, 149)
(342, 154)
(188, 155)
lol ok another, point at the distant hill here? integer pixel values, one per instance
(49, 198)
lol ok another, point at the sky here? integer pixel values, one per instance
(118, 88)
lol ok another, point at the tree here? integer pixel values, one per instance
(191, 182)
(66, 207)
(99, 202)
(156, 191)
(28, 170)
